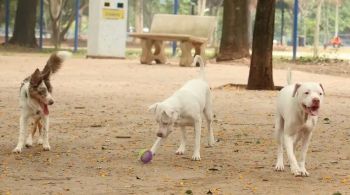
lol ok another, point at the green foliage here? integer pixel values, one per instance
(307, 20)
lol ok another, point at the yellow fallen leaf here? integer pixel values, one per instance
(327, 177)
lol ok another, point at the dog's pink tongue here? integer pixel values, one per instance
(46, 109)
(313, 112)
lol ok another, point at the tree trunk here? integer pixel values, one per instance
(83, 6)
(336, 18)
(260, 74)
(55, 10)
(138, 16)
(317, 28)
(201, 5)
(24, 31)
(234, 40)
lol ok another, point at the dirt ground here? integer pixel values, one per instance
(98, 100)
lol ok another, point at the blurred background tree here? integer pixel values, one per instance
(59, 19)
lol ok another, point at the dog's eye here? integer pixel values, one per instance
(306, 93)
(42, 92)
(321, 94)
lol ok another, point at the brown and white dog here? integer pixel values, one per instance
(35, 97)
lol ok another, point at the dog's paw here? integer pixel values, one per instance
(196, 157)
(29, 142)
(28, 145)
(40, 141)
(180, 150)
(46, 147)
(279, 167)
(304, 173)
(17, 150)
(296, 172)
(211, 142)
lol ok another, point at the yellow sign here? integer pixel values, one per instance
(113, 14)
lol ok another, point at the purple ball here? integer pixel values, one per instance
(146, 156)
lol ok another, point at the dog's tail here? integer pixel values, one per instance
(289, 76)
(53, 65)
(55, 62)
(198, 59)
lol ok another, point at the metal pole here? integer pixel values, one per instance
(282, 20)
(41, 23)
(176, 11)
(76, 31)
(7, 20)
(295, 28)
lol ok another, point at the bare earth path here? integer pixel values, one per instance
(99, 100)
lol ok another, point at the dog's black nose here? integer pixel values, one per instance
(316, 101)
(50, 102)
(160, 134)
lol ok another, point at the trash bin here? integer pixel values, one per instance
(107, 30)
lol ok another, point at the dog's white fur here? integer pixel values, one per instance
(185, 108)
(32, 109)
(297, 114)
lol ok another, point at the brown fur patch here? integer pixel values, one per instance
(37, 126)
(52, 66)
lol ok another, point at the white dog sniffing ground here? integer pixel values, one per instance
(297, 114)
(185, 108)
(35, 98)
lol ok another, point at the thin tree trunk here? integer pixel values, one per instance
(138, 16)
(201, 5)
(24, 31)
(55, 10)
(260, 73)
(317, 29)
(65, 29)
(234, 41)
(326, 33)
(336, 18)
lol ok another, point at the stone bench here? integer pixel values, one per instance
(193, 32)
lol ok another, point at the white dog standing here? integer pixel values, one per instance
(185, 108)
(297, 113)
(35, 98)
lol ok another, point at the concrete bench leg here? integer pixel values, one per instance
(147, 56)
(186, 56)
(159, 52)
(200, 50)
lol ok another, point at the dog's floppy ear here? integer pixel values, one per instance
(172, 114)
(322, 89)
(153, 107)
(296, 87)
(175, 115)
(36, 78)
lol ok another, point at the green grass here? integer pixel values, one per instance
(13, 50)
(308, 60)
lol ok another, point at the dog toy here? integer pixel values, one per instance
(145, 156)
